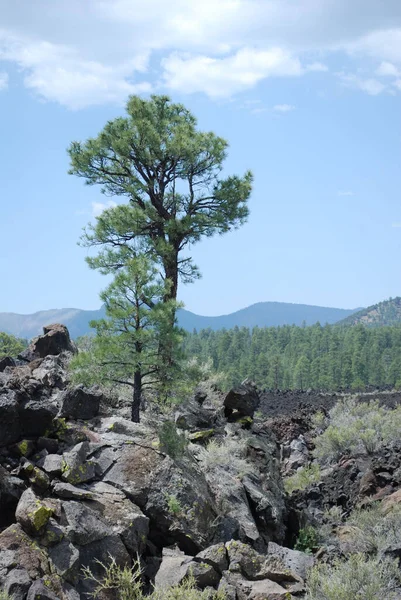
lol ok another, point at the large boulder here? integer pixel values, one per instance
(5, 362)
(79, 403)
(36, 415)
(83, 525)
(18, 549)
(55, 339)
(17, 584)
(242, 400)
(32, 513)
(11, 489)
(204, 411)
(126, 519)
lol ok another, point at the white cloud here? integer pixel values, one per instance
(387, 69)
(283, 108)
(371, 86)
(317, 67)
(82, 53)
(345, 193)
(3, 81)
(99, 207)
(222, 77)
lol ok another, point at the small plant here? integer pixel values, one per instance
(173, 504)
(373, 531)
(303, 478)
(357, 427)
(171, 441)
(358, 578)
(126, 583)
(5, 596)
(307, 540)
(231, 454)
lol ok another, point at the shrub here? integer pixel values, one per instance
(357, 427)
(171, 441)
(126, 583)
(307, 540)
(231, 454)
(173, 504)
(373, 531)
(302, 478)
(5, 596)
(358, 578)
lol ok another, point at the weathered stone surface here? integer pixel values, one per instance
(65, 559)
(79, 403)
(52, 534)
(101, 551)
(11, 489)
(189, 526)
(10, 426)
(172, 570)
(66, 490)
(103, 458)
(17, 584)
(76, 467)
(52, 464)
(39, 591)
(216, 556)
(297, 562)
(25, 553)
(244, 399)
(49, 444)
(83, 525)
(52, 371)
(134, 472)
(126, 518)
(55, 339)
(32, 514)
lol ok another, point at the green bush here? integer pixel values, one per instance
(302, 478)
(11, 345)
(126, 583)
(231, 454)
(171, 441)
(5, 596)
(373, 531)
(307, 540)
(357, 427)
(358, 578)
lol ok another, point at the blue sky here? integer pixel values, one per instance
(307, 94)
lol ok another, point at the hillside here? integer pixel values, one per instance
(387, 312)
(262, 314)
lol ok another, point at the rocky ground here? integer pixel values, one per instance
(78, 486)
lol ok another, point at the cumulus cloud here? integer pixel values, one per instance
(387, 69)
(222, 77)
(3, 81)
(99, 207)
(83, 53)
(283, 108)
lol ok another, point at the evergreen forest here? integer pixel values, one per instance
(290, 357)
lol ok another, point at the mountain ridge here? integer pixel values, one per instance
(387, 312)
(260, 314)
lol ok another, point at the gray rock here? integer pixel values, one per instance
(53, 533)
(83, 525)
(26, 553)
(55, 339)
(52, 464)
(76, 468)
(65, 558)
(10, 426)
(133, 472)
(49, 444)
(39, 591)
(173, 570)
(52, 372)
(79, 403)
(67, 490)
(32, 513)
(118, 511)
(216, 556)
(101, 551)
(295, 561)
(103, 458)
(190, 526)
(17, 584)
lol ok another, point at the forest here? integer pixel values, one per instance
(289, 357)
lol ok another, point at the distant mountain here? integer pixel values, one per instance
(387, 312)
(262, 314)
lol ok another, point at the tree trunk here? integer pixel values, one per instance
(136, 401)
